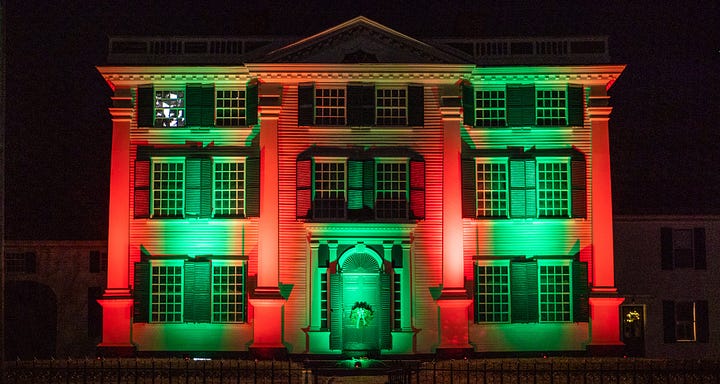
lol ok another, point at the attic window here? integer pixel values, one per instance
(359, 56)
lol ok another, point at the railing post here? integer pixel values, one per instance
(434, 372)
(451, 372)
(187, 370)
(152, 371)
(255, 375)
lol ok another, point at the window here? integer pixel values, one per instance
(330, 106)
(555, 293)
(166, 293)
(229, 187)
(685, 321)
(551, 107)
(492, 294)
(329, 188)
(492, 187)
(168, 187)
(170, 108)
(229, 107)
(228, 292)
(391, 106)
(683, 248)
(391, 188)
(98, 261)
(490, 108)
(553, 188)
(20, 262)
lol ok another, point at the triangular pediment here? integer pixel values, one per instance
(360, 40)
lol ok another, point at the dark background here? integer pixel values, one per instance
(665, 138)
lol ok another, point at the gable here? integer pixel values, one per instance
(359, 40)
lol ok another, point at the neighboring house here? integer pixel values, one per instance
(51, 288)
(360, 192)
(668, 272)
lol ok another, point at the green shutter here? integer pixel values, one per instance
(252, 186)
(666, 248)
(336, 311)
(141, 292)
(207, 110)
(251, 104)
(468, 94)
(416, 105)
(668, 311)
(355, 184)
(384, 312)
(193, 177)
(530, 189)
(580, 291)
(193, 105)
(523, 292)
(699, 248)
(518, 196)
(323, 256)
(196, 292)
(579, 185)
(369, 183)
(520, 105)
(576, 105)
(141, 201)
(306, 104)
(469, 192)
(145, 106)
(360, 103)
(206, 187)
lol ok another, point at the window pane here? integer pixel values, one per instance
(550, 107)
(492, 294)
(168, 188)
(329, 201)
(555, 293)
(229, 108)
(391, 187)
(490, 108)
(228, 293)
(166, 294)
(491, 188)
(170, 108)
(391, 106)
(330, 106)
(553, 189)
(229, 188)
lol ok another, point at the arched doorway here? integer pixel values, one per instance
(30, 320)
(360, 303)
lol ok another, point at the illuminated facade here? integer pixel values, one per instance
(360, 192)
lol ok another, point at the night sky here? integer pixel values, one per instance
(665, 132)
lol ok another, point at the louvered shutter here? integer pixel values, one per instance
(520, 105)
(668, 308)
(523, 292)
(469, 192)
(141, 292)
(252, 186)
(323, 256)
(576, 105)
(369, 183)
(145, 106)
(518, 193)
(306, 104)
(336, 311)
(251, 104)
(385, 310)
(196, 292)
(666, 248)
(702, 321)
(531, 207)
(355, 184)
(699, 248)
(468, 94)
(303, 188)
(360, 103)
(207, 109)
(206, 187)
(417, 189)
(193, 105)
(580, 290)
(142, 189)
(193, 176)
(579, 183)
(416, 105)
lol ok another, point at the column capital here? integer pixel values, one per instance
(599, 112)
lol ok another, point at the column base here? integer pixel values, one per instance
(269, 353)
(454, 328)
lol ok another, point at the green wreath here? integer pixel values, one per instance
(361, 314)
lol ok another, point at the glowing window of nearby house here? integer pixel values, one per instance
(492, 292)
(166, 292)
(168, 187)
(391, 106)
(330, 106)
(555, 293)
(229, 186)
(490, 108)
(685, 321)
(391, 188)
(553, 187)
(170, 108)
(329, 179)
(228, 292)
(491, 187)
(229, 107)
(551, 107)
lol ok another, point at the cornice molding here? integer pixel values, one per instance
(586, 74)
(133, 75)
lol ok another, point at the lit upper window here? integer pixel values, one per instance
(170, 108)
(330, 106)
(168, 187)
(229, 107)
(391, 106)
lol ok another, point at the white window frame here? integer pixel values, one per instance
(498, 118)
(392, 160)
(344, 190)
(322, 112)
(567, 210)
(163, 110)
(157, 212)
(227, 316)
(550, 115)
(241, 190)
(155, 305)
(240, 109)
(481, 212)
(688, 324)
(494, 295)
(567, 294)
(392, 119)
